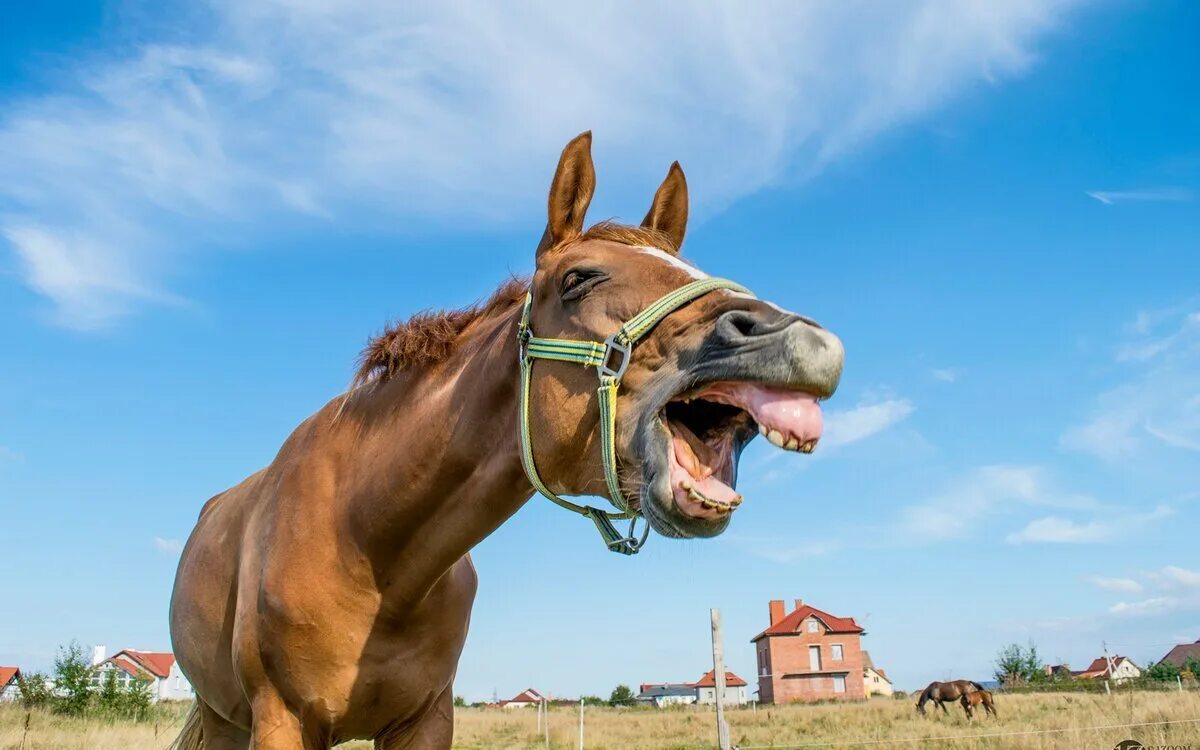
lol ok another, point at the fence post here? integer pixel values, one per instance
(546, 723)
(581, 724)
(1107, 691)
(1179, 681)
(719, 679)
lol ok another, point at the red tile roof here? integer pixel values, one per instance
(526, 696)
(1099, 667)
(1181, 653)
(8, 674)
(157, 663)
(710, 680)
(791, 623)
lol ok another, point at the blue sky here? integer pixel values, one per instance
(205, 212)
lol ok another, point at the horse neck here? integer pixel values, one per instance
(438, 458)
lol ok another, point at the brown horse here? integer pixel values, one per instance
(974, 698)
(940, 692)
(327, 596)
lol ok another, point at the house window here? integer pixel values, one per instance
(839, 683)
(837, 652)
(814, 658)
(812, 625)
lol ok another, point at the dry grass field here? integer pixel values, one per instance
(849, 725)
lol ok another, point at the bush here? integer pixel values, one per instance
(72, 681)
(1019, 665)
(1163, 672)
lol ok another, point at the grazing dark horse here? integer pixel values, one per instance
(974, 698)
(940, 692)
(327, 596)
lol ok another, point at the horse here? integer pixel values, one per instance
(940, 692)
(327, 596)
(974, 698)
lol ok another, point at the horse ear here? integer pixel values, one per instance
(669, 210)
(570, 192)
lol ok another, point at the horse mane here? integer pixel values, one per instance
(431, 335)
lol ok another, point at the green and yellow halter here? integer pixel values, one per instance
(601, 356)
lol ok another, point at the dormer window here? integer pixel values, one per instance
(812, 625)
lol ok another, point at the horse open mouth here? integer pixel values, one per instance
(708, 428)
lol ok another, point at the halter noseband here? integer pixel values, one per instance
(610, 359)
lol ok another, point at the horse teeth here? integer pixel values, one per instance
(762, 430)
(776, 438)
(792, 444)
(808, 446)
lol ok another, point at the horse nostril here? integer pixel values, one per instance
(745, 324)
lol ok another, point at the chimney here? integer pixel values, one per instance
(99, 654)
(799, 603)
(777, 613)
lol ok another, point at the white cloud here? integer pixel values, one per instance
(1144, 195)
(1158, 405)
(1125, 585)
(981, 493)
(946, 374)
(168, 546)
(1058, 530)
(863, 421)
(452, 111)
(1147, 607)
(1181, 576)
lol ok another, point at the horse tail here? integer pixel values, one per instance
(191, 737)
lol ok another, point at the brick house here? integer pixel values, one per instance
(809, 655)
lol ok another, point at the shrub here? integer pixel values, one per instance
(35, 690)
(72, 681)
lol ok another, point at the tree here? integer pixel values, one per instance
(1164, 671)
(459, 702)
(1017, 665)
(1191, 667)
(621, 696)
(35, 690)
(72, 681)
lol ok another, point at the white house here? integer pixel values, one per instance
(159, 668)
(703, 691)
(875, 680)
(1122, 669)
(10, 689)
(524, 699)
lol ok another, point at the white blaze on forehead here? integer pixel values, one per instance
(669, 259)
(696, 273)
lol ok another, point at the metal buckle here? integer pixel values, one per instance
(611, 343)
(631, 542)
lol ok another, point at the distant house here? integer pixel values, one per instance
(167, 681)
(703, 691)
(10, 689)
(1122, 669)
(524, 699)
(666, 694)
(1181, 654)
(809, 655)
(875, 680)
(735, 689)
(1058, 671)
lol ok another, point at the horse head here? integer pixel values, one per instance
(700, 384)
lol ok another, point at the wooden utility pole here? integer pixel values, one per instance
(719, 678)
(581, 724)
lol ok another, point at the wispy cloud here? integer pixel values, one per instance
(1059, 530)
(168, 546)
(1165, 194)
(946, 374)
(863, 421)
(1154, 606)
(1174, 576)
(277, 109)
(1159, 402)
(1125, 585)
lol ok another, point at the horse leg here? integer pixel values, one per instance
(278, 728)
(966, 704)
(432, 730)
(942, 705)
(220, 734)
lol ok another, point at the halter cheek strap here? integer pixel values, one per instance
(610, 359)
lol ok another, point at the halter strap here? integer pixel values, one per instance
(610, 359)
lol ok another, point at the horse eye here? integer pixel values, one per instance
(577, 282)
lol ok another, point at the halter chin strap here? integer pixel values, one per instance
(610, 359)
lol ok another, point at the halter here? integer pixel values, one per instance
(618, 347)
